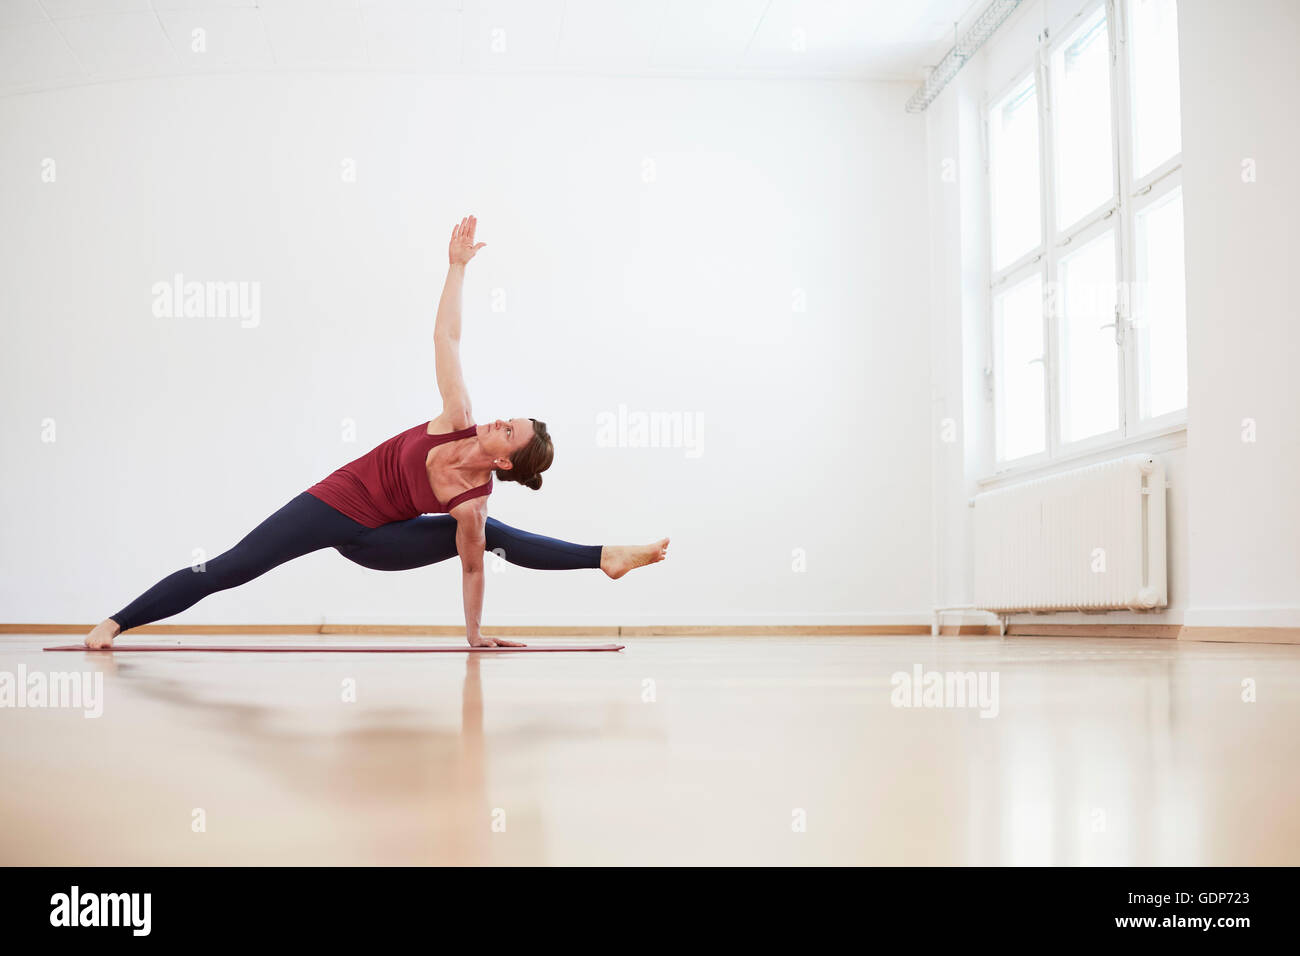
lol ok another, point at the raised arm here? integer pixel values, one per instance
(446, 329)
(471, 541)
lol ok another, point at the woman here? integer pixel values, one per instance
(375, 511)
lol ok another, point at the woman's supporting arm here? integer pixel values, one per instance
(471, 541)
(446, 328)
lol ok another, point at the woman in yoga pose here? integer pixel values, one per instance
(381, 510)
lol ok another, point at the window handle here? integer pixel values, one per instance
(1118, 326)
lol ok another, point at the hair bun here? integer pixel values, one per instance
(534, 483)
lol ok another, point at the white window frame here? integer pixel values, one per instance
(1128, 199)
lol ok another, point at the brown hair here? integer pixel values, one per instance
(531, 460)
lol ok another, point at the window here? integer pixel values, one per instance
(1156, 134)
(1089, 343)
(1018, 342)
(1085, 167)
(1159, 313)
(1089, 360)
(1013, 139)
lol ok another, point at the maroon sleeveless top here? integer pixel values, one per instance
(390, 482)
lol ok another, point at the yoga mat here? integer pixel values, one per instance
(336, 648)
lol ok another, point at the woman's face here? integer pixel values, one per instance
(505, 436)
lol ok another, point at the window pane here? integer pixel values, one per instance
(1017, 352)
(1089, 363)
(1159, 306)
(1013, 168)
(1081, 85)
(1156, 134)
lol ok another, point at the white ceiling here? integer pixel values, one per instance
(46, 43)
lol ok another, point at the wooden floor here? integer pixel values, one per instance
(675, 750)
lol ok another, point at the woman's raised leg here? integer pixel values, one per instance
(428, 539)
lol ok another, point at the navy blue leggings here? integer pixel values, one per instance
(308, 524)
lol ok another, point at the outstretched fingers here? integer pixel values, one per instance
(495, 642)
(463, 246)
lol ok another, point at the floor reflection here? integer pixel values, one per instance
(1101, 753)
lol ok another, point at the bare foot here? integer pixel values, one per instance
(617, 560)
(103, 634)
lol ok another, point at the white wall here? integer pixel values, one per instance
(1233, 516)
(673, 295)
(1242, 248)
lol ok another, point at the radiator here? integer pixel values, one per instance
(1091, 539)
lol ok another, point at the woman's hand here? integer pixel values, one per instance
(462, 247)
(480, 641)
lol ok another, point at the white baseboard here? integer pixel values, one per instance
(1242, 617)
(792, 619)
